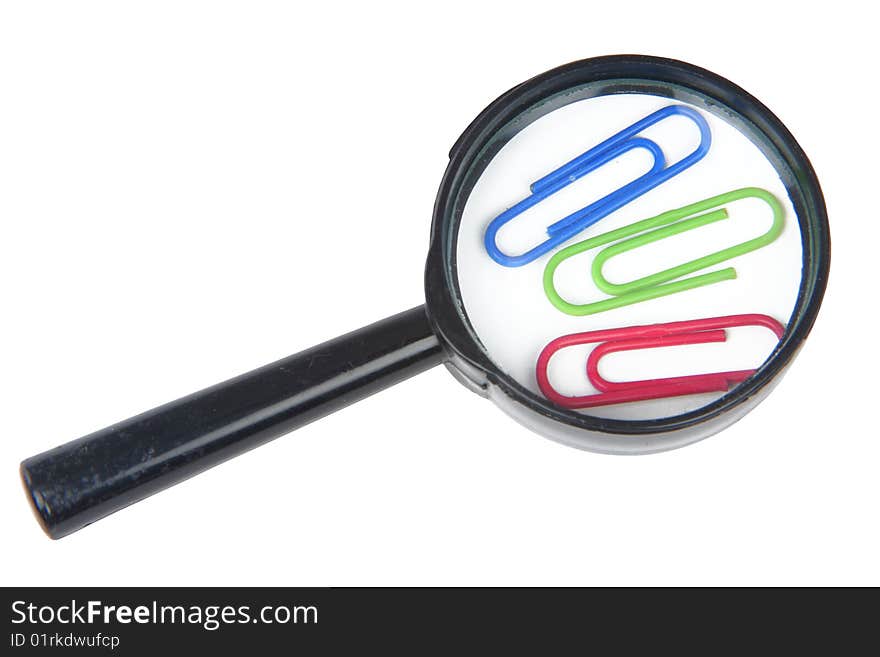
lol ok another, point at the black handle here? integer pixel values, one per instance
(84, 480)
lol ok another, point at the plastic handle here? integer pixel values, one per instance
(84, 480)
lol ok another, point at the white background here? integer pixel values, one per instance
(190, 190)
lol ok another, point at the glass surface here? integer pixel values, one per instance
(508, 307)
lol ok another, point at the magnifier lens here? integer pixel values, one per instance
(511, 311)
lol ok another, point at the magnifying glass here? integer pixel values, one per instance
(626, 254)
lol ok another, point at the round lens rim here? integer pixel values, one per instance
(446, 310)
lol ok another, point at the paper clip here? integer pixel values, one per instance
(651, 230)
(624, 141)
(696, 331)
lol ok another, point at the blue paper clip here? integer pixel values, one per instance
(624, 141)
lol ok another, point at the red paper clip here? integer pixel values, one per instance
(695, 331)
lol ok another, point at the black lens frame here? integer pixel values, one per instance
(619, 74)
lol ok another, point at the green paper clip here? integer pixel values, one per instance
(654, 229)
